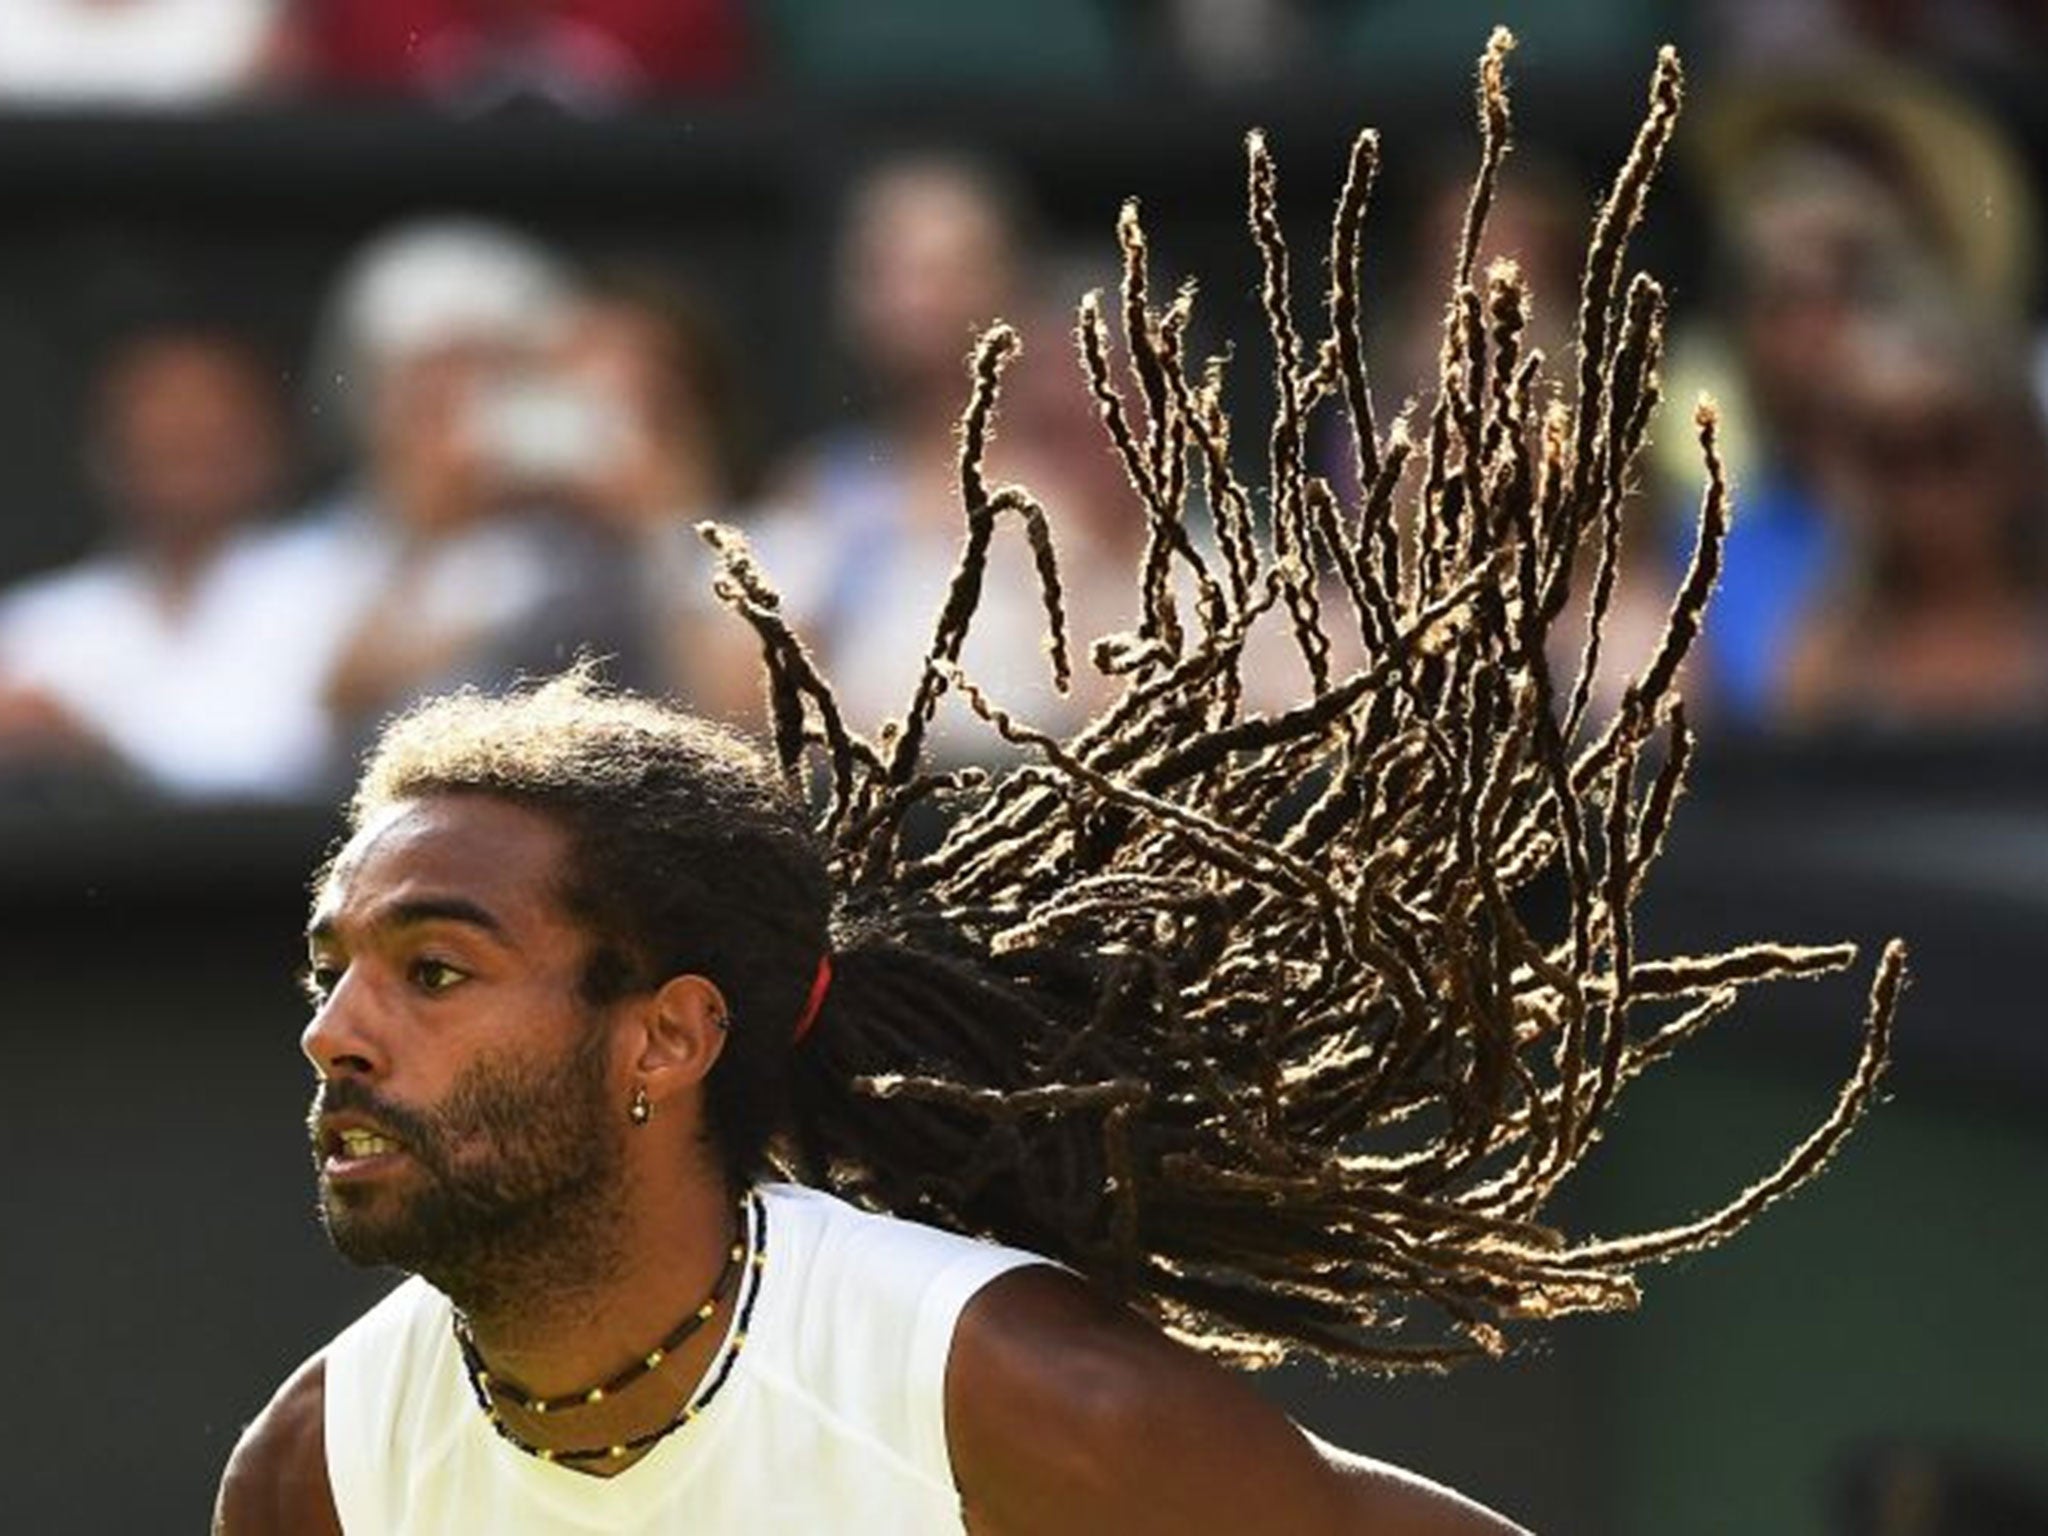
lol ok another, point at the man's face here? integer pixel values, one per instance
(467, 1125)
(193, 441)
(926, 264)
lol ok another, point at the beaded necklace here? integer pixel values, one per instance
(748, 1257)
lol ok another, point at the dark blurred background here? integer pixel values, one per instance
(352, 349)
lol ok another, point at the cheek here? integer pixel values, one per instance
(527, 1109)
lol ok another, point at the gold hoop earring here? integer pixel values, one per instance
(639, 1111)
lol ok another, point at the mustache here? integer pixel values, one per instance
(338, 1095)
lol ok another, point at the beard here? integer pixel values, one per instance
(514, 1183)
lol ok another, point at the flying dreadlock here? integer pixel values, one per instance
(1249, 1016)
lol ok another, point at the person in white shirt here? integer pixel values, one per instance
(185, 657)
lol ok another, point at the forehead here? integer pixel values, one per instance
(497, 854)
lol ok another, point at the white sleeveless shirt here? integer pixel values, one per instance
(832, 1417)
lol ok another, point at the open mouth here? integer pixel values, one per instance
(350, 1151)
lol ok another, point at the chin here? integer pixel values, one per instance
(365, 1235)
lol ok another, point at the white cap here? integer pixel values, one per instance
(425, 286)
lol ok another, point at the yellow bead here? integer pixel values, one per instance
(655, 1359)
(707, 1309)
(738, 1253)
(594, 1395)
(540, 1405)
(618, 1450)
(737, 1340)
(483, 1379)
(546, 1454)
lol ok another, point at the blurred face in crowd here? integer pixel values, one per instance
(639, 426)
(1932, 463)
(927, 262)
(1537, 222)
(423, 443)
(623, 351)
(1074, 465)
(465, 1116)
(191, 437)
(1817, 242)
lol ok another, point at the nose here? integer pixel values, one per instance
(340, 1039)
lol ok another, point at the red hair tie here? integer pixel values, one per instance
(820, 983)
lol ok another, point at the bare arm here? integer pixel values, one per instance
(1064, 1415)
(1383, 1498)
(276, 1478)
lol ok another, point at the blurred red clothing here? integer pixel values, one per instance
(607, 47)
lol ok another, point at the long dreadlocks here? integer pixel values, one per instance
(1247, 1015)
(1285, 1026)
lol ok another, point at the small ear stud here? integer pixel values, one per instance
(639, 1111)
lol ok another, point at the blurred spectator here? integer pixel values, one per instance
(179, 656)
(1938, 615)
(1099, 526)
(134, 53)
(1963, 190)
(1538, 221)
(664, 448)
(579, 53)
(455, 555)
(1816, 244)
(1836, 198)
(869, 522)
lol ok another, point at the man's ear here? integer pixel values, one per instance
(682, 1033)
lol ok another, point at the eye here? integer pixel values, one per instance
(318, 981)
(434, 976)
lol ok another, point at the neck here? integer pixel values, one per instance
(572, 1332)
(179, 561)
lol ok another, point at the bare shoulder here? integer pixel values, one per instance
(1065, 1413)
(276, 1478)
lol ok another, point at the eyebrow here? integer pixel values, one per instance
(418, 910)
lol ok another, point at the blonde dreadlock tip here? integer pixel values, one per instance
(1668, 81)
